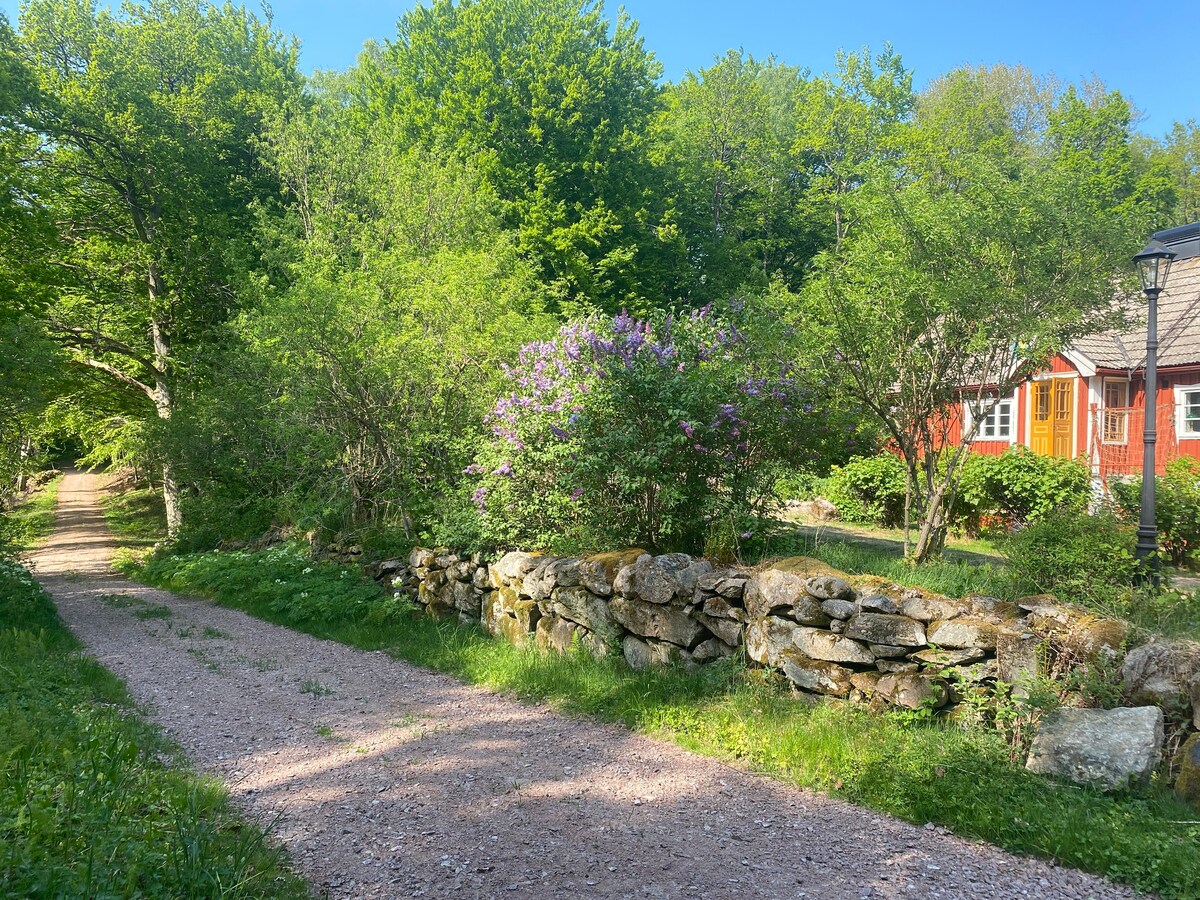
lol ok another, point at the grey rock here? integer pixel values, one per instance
(913, 691)
(1162, 673)
(896, 665)
(720, 608)
(767, 639)
(1105, 748)
(713, 648)
(816, 675)
(555, 634)
(808, 611)
(585, 608)
(880, 628)
(962, 633)
(946, 657)
(641, 654)
(925, 609)
(688, 577)
(992, 609)
(666, 623)
(817, 644)
(511, 569)
(539, 583)
(479, 578)
(886, 651)
(829, 587)
(728, 630)
(880, 603)
(771, 591)
(837, 626)
(674, 562)
(839, 609)
(1019, 654)
(647, 580)
(816, 510)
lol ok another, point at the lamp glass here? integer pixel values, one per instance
(1154, 264)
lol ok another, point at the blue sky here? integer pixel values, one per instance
(1153, 64)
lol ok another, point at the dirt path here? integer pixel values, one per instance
(392, 781)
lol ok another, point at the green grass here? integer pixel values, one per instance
(923, 771)
(136, 517)
(31, 522)
(94, 801)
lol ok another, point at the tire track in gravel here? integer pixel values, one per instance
(392, 781)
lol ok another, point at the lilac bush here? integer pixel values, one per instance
(652, 432)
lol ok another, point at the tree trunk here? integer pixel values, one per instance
(164, 402)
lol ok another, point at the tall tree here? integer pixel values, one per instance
(148, 117)
(966, 265)
(550, 101)
(726, 138)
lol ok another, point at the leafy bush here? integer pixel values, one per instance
(1025, 487)
(1084, 559)
(650, 432)
(798, 484)
(1176, 506)
(869, 490)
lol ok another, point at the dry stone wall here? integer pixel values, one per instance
(826, 632)
(862, 638)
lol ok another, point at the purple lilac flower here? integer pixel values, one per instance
(576, 494)
(504, 469)
(480, 498)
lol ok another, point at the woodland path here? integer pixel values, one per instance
(400, 782)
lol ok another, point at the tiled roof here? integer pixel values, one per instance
(1178, 327)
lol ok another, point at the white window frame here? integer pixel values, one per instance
(1181, 392)
(1011, 437)
(1104, 411)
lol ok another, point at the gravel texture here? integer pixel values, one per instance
(388, 780)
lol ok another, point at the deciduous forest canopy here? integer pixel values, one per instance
(499, 281)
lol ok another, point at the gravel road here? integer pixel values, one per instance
(393, 781)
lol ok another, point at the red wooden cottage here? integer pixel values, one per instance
(1090, 402)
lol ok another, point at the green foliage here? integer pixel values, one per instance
(134, 515)
(552, 100)
(1176, 507)
(869, 489)
(31, 522)
(301, 590)
(88, 807)
(645, 433)
(922, 771)
(1080, 558)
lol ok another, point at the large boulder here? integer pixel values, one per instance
(829, 587)
(1187, 782)
(647, 580)
(929, 609)
(650, 620)
(640, 654)
(880, 628)
(1105, 748)
(1163, 673)
(817, 644)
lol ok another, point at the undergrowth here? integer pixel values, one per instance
(920, 770)
(94, 802)
(136, 517)
(31, 522)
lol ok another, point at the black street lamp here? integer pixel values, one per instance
(1154, 264)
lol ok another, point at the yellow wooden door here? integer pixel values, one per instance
(1064, 413)
(1042, 424)
(1053, 413)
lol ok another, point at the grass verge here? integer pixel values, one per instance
(94, 802)
(30, 523)
(923, 771)
(135, 516)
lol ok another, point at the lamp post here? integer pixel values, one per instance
(1154, 264)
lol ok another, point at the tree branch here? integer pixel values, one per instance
(116, 373)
